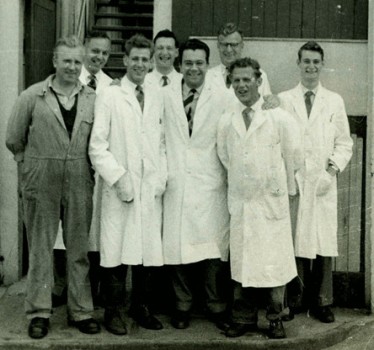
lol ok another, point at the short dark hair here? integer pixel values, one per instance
(311, 46)
(96, 34)
(166, 33)
(138, 41)
(229, 28)
(194, 44)
(244, 63)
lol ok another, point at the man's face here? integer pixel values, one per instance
(165, 53)
(245, 85)
(230, 48)
(97, 54)
(138, 63)
(68, 64)
(310, 65)
(194, 67)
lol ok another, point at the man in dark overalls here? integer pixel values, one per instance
(48, 134)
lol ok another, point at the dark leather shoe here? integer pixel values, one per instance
(180, 319)
(290, 316)
(38, 327)
(324, 314)
(88, 326)
(276, 330)
(239, 329)
(145, 318)
(220, 319)
(114, 323)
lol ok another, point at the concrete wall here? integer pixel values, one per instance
(162, 15)
(11, 77)
(346, 66)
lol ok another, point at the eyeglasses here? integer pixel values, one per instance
(226, 45)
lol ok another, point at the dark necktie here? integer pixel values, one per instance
(140, 96)
(165, 80)
(92, 83)
(187, 104)
(247, 116)
(308, 101)
(228, 80)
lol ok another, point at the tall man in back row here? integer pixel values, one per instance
(48, 133)
(326, 150)
(230, 47)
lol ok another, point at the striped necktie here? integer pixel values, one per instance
(247, 116)
(187, 104)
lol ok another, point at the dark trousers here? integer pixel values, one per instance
(313, 286)
(59, 272)
(114, 287)
(246, 301)
(212, 274)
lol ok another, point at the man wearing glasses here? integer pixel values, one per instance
(230, 46)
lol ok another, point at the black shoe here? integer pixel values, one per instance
(114, 323)
(180, 319)
(324, 314)
(38, 327)
(239, 329)
(290, 316)
(145, 318)
(220, 319)
(276, 330)
(87, 326)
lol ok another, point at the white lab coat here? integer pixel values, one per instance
(216, 76)
(196, 219)
(324, 136)
(123, 141)
(260, 162)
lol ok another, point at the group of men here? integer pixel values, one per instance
(193, 169)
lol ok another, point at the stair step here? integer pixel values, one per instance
(124, 28)
(123, 15)
(123, 3)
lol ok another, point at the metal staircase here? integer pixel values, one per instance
(121, 19)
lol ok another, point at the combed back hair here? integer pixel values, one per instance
(229, 28)
(166, 33)
(138, 41)
(194, 44)
(244, 63)
(311, 46)
(69, 41)
(96, 34)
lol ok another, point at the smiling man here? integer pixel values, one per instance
(257, 148)
(127, 149)
(48, 133)
(196, 219)
(97, 49)
(327, 148)
(230, 47)
(166, 52)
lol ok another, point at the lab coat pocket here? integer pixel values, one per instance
(324, 183)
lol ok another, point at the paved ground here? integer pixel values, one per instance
(353, 329)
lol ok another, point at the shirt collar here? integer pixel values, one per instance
(130, 84)
(305, 90)
(257, 106)
(78, 87)
(186, 89)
